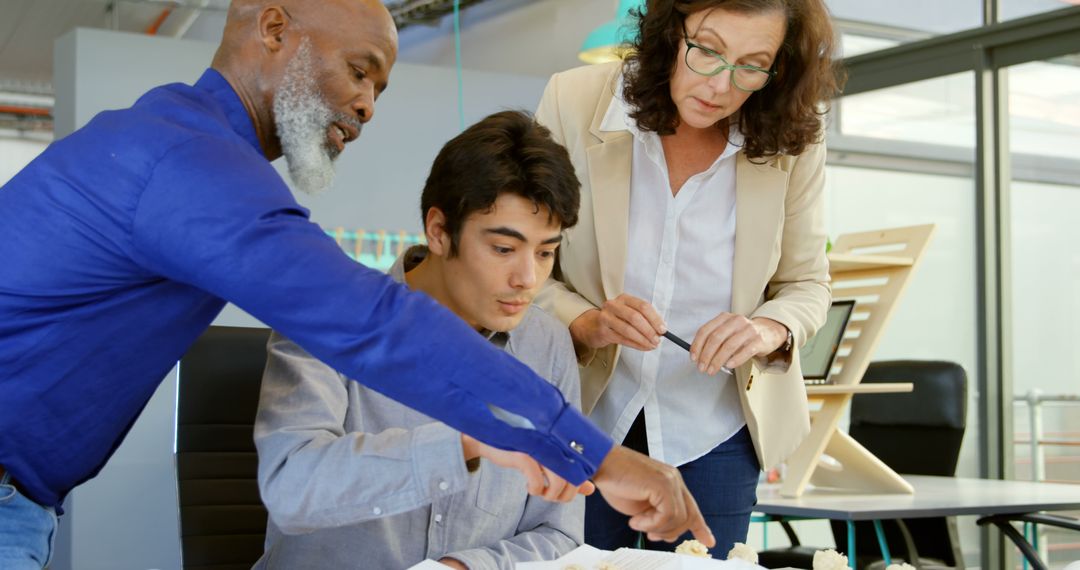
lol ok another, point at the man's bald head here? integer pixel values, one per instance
(245, 17)
(339, 52)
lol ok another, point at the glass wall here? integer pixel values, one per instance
(852, 44)
(1044, 120)
(910, 20)
(937, 111)
(908, 153)
(1044, 108)
(935, 318)
(1012, 9)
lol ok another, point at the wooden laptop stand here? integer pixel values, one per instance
(873, 268)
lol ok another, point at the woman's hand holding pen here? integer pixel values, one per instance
(729, 340)
(625, 320)
(722, 344)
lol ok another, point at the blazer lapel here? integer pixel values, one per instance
(759, 215)
(609, 180)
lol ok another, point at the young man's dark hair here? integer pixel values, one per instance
(505, 152)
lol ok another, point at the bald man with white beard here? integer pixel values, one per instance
(123, 241)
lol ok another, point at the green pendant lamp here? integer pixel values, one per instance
(610, 41)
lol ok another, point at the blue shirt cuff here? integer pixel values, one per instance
(581, 438)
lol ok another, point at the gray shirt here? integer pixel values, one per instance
(353, 479)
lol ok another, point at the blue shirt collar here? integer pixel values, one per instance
(219, 88)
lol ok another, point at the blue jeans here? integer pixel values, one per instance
(724, 484)
(27, 530)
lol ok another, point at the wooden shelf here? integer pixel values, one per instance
(883, 388)
(876, 282)
(856, 262)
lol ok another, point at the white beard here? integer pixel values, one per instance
(303, 118)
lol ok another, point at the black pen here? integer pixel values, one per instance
(671, 336)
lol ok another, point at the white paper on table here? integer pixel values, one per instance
(588, 557)
(584, 555)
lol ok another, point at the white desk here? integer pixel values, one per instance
(932, 497)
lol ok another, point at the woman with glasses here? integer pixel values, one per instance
(702, 170)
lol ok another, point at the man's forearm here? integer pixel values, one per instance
(400, 343)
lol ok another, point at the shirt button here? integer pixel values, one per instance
(443, 485)
(438, 518)
(377, 511)
(577, 447)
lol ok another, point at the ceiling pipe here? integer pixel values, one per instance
(25, 111)
(427, 12)
(24, 100)
(405, 12)
(152, 30)
(185, 18)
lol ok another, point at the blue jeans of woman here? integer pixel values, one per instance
(26, 530)
(724, 484)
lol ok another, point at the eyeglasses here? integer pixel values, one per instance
(704, 61)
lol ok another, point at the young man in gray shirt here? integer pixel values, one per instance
(356, 480)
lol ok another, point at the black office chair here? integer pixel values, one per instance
(222, 519)
(917, 433)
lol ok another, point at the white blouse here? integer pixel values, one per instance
(680, 257)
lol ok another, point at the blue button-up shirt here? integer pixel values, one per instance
(121, 243)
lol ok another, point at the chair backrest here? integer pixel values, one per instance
(917, 433)
(222, 519)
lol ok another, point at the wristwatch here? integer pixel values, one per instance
(789, 343)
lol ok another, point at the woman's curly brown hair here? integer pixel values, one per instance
(784, 117)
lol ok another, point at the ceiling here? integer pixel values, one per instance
(526, 37)
(28, 28)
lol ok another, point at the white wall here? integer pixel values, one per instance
(16, 152)
(127, 516)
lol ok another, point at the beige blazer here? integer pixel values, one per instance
(780, 272)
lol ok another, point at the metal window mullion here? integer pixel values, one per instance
(992, 183)
(1033, 38)
(991, 10)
